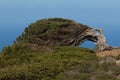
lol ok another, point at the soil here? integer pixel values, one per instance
(114, 52)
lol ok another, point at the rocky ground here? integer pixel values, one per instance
(113, 52)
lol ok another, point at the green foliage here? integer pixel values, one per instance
(52, 32)
(104, 76)
(42, 28)
(118, 57)
(61, 63)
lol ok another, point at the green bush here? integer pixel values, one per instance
(118, 57)
(104, 76)
(62, 63)
(48, 66)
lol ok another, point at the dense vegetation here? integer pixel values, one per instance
(25, 61)
(62, 63)
(52, 32)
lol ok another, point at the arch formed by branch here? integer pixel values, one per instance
(95, 35)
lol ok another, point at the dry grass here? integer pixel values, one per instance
(114, 52)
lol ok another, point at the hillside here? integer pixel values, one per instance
(62, 63)
(44, 52)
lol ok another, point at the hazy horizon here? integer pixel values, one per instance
(16, 15)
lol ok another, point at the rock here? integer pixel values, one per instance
(118, 62)
(110, 59)
(118, 77)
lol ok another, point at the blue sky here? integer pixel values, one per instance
(15, 15)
